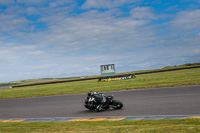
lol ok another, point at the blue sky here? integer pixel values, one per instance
(65, 38)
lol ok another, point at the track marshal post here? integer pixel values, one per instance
(108, 73)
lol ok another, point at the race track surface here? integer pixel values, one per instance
(146, 102)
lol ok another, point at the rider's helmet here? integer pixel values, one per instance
(90, 93)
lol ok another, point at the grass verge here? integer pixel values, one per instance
(153, 80)
(126, 126)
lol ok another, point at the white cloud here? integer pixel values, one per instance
(57, 3)
(143, 13)
(187, 20)
(32, 2)
(10, 23)
(105, 3)
(32, 10)
(97, 34)
(6, 2)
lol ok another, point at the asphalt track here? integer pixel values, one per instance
(146, 102)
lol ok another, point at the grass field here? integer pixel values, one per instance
(153, 80)
(127, 126)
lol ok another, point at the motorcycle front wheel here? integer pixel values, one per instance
(117, 104)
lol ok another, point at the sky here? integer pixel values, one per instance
(67, 38)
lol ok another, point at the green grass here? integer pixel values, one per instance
(127, 126)
(154, 80)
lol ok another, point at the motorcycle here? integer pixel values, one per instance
(98, 102)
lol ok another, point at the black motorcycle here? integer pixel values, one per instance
(98, 101)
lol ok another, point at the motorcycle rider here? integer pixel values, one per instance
(98, 101)
(104, 102)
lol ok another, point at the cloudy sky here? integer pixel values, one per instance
(65, 38)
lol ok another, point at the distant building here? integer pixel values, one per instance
(107, 70)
